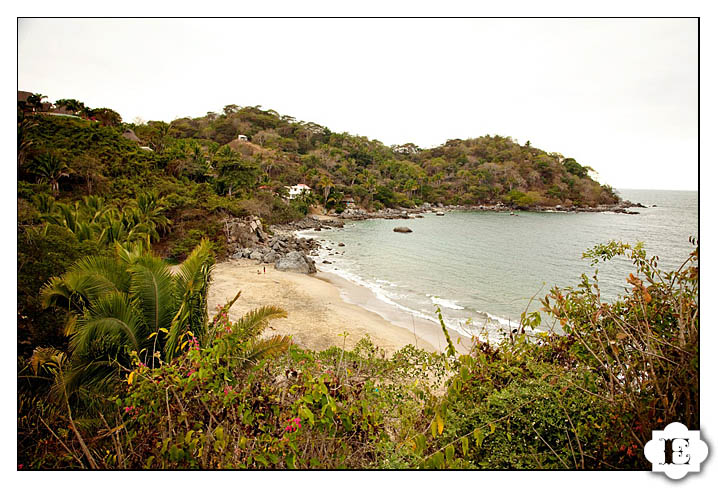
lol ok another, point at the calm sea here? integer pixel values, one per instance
(483, 268)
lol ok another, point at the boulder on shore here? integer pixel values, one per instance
(295, 261)
(402, 229)
(270, 257)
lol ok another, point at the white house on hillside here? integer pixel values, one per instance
(241, 137)
(295, 190)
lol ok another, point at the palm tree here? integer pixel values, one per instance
(50, 168)
(150, 211)
(128, 303)
(246, 332)
(35, 101)
(24, 141)
(70, 104)
(326, 184)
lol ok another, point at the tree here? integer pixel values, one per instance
(24, 142)
(106, 117)
(129, 304)
(70, 104)
(34, 101)
(150, 212)
(230, 109)
(326, 184)
(234, 174)
(573, 167)
(158, 135)
(90, 168)
(304, 201)
(50, 168)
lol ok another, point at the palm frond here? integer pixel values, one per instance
(111, 324)
(191, 274)
(254, 322)
(129, 253)
(47, 357)
(266, 347)
(152, 286)
(191, 286)
(88, 279)
(83, 375)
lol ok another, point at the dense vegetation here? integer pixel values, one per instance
(231, 398)
(120, 365)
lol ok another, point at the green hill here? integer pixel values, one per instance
(204, 173)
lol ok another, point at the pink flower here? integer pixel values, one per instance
(294, 425)
(132, 410)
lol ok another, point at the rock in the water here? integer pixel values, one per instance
(402, 229)
(295, 261)
(341, 244)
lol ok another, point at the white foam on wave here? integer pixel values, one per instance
(498, 319)
(446, 303)
(340, 266)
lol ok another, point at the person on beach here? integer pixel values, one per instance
(265, 270)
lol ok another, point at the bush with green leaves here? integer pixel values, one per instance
(43, 252)
(587, 397)
(644, 345)
(232, 405)
(129, 302)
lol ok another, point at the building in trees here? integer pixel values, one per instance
(296, 190)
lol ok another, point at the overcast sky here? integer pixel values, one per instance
(618, 95)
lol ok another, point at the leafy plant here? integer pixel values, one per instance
(128, 303)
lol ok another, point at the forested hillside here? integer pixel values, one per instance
(202, 172)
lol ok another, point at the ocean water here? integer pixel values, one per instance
(483, 268)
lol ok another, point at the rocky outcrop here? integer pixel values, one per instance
(402, 229)
(311, 222)
(246, 232)
(296, 261)
(274, 248)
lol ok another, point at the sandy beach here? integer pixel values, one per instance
(320, 308)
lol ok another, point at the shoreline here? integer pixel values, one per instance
(318, 319)
(321, 308)
(424, 329)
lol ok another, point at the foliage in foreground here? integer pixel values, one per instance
(131, 302)
(536, 400)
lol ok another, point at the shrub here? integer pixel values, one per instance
(43, 253)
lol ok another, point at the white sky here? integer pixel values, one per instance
(620, 95)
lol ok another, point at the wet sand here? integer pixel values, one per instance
(321, 308)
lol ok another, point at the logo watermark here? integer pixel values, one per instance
(676, 450)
